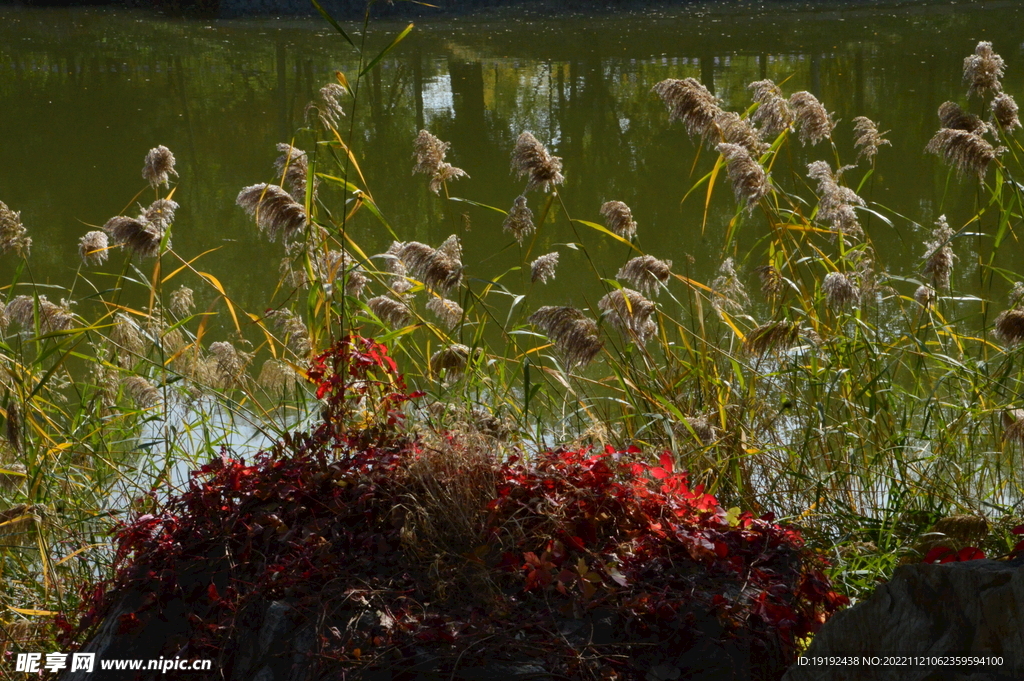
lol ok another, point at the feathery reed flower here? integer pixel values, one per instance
(329, 109)
(139, 238)
(392, 312)
(772, 337)
(1004, 111)
(297, 334)
(924, 295)
(867, 139)
(630, 313)
(143, 393)
(811, 118)
(939, 256)
(231, 363)
(275, 210)
(531, 158)
(983, 69)
(727, 289)
(840, 290)
(836, 202)
(735, 129)
(772, 283)
(750, 182)
(1016, 295)
(953, 117)
(92, 247)
(543, 268)
(619, 218)
(452, 358)
(277, 377)
(519, 222)
(293, 167)
(439, 269)
(572, 332)
(127, 339)
(1013, 425)
(333, 265)
(52, 317)
(690, 102)
(963, 150)
(181, 301)
(646, 273)
(13, 235)
(703, 428)
(159, 166)
(160, 214)
(448, 311)
(429, 155)
(773, 114)
(1010, 326)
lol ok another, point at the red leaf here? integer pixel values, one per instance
(1018, 530)
(941, 554)
(970, 553)
(211, 591)
(666, 463)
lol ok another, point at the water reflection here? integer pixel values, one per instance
(84, 94)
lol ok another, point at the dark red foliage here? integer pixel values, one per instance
(944, 554)
(568, 533)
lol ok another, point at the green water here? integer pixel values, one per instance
(84, 95)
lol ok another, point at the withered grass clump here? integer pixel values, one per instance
(448, 312)
(573, 333)
(293, 167)
(953, 117)
(630, 313)
(939, 255)
(532, 159)
(52, 317)
(734, 129)
(276, 212)
(543, 268)
(453, 358)
(139, 238)
(835, 202)
(619, 218)
(646, 273)
(182, 301)
(690, 102)
(143, 393)
(772, 281)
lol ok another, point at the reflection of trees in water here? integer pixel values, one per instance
(223, 97)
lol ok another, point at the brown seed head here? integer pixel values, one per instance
(836, 202)
(690, 102)
(159, 166)
(543, 268)
(329, 109)
(231, 363)
(439, 269)
(452, 359)
(293, 167)
(813, 121)
(924, 295)
(735, 129)
(953, 117)
(13, 235)
(277, 377)
(750, 182)
(1010, 326)
(181, 301)
(92, 247)
(646, 273)
(619, 218)
(448, 311)
(159, 215)
(772, 337)
(773, 114)
(429, 155)
(983, 69)
(867, 139)
(392, 312)
(519, 222)
(126, 336)
(143, 393)
(840, 290)
(963, 150)
(139, 238)
(772, 283)
(939, 256)
(52, 317)
(275, 210)
(531, 158)
(630, 313)
(572, 332)
(728, 291)
(1004, 111)
(296, 333)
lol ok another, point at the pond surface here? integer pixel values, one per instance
(85, 93)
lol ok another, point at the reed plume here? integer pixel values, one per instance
(452, 358)
(939, 256)
(963, 150)
(953, 117)
(772, 337)
(690, 102)
(983, 69)
(127, 339)
(329, 108)
(750, 182)
(924, 295)
(181, 301)
(840, 290)
(773, 114)
(275, 210)
(835, 202)
(160, 214)
(727, 290)
(293, 328)
(1016, 295)
(1013, 425)
(448, 311)
(867, 139)
(573, 333)
(543, 268)
(52, 317)
(619, 218)
(531, 158)
(772, 283)
(139, 238)
(159, 166)
(439, 269)
(143, 393)
(231, 363)
(277, 377)
(630, 313)
(646, 273)
(13, 235)
(293, 167)
(1009, 326)
(519, 222)
(1004, 111)
(392, 312)
(92, 247)
(734, 129)
(810, 117)
(429, 155)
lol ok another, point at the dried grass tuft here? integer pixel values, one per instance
(429, 154)
(531, 158)
(867, 139)
(143, 393)
(690, 102)
(573, 333)
(840, 290)
(13, 235)
(1004, 112)
(439, 269)
(1009, 326)
(619, 218)
(630, 313)
(448, 311)
(773, 114)
(939, 256)
(749, 179)
(543, 268)
(772, 337)
(392, 312)
(812, 120)
(963, 150)
(983, 69)
(93, 247)
(159, 166)
(519, 222)
(275, 210)
(646, 273)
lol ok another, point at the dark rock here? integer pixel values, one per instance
(974, 608)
